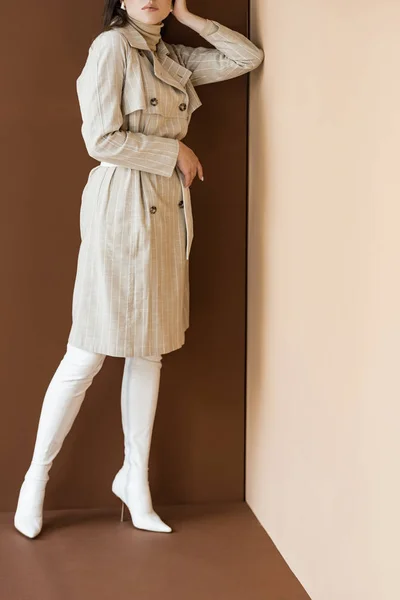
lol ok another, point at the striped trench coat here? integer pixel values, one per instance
(131, 292)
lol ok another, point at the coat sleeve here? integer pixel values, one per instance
(234, 55)
(99, 89)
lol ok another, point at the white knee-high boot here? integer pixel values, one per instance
(139, 395)
(61, 404)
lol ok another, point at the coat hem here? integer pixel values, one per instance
(97, 348)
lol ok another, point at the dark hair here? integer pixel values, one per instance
(113, 13)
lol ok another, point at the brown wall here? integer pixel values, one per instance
(198, 440)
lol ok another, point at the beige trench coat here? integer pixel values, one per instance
(131, 292)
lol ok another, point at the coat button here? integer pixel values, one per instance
(182, 106)
(153, 101)
(180, 204)
(153, 209)
(141, 52)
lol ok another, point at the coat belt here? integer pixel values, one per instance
(187, 207)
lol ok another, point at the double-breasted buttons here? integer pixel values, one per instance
(182, 106)
(153, 101)
(180, 204)
(153, 209)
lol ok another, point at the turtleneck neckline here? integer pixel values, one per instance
(150, 31)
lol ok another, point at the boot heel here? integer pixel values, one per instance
(149, 520)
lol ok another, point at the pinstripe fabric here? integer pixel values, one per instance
(131, 292)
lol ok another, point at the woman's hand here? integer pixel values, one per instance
(189, 164)
(180, 9)
(184, 16)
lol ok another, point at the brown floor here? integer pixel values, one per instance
(215, 552)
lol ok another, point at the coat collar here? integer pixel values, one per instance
(165, 68)
(136, 40)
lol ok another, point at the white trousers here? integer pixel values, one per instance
(66, 392)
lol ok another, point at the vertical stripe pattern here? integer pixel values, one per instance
(131, 292)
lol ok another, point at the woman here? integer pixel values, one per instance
(131, 296)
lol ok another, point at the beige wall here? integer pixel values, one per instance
(323, 442)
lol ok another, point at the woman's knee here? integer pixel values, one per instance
(144, 362)
(83, 361)
(155, 358)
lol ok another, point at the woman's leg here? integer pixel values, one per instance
(61, 404)
(139, 395)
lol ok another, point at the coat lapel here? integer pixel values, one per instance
(165, 68)
(170, 71)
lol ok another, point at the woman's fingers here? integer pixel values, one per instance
(191, 174)
(189, 164)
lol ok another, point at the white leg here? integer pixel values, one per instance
(61, 404)
(139, 396)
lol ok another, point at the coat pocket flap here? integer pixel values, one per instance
(132, 99)
(194, 100)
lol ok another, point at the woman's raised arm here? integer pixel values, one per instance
(234, 54)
